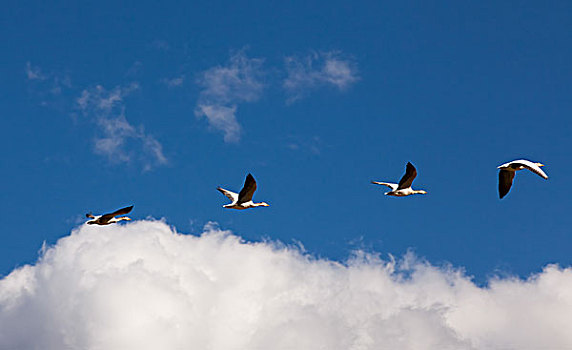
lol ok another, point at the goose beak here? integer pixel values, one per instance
(539, 164)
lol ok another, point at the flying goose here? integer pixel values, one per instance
(243, 200)
(404, 186)
(110, 218)
(507, 171)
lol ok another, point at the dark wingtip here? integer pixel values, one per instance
(127, 209)
(502, 195)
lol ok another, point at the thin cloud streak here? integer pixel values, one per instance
(224, 87)
(145, 286)
(317, 70)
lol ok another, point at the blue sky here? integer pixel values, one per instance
(103, 107)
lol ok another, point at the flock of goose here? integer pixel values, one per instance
(243, 199)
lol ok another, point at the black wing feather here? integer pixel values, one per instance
(247, 191)
(505, 182)
(122, 211)
(407, 179)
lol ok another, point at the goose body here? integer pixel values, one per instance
(403, 188)
(508, 170)
(110, 218)
(243, 199)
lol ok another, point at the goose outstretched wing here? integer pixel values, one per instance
(247, 191)
(531, 166)
(407, 179)
(388, 184)
(505, 182)
(122, 211)
(229, 194)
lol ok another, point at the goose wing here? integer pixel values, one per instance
(247, 191)
(531, 166)
(407, 179)
(388, 184)
(230, 195)
(505, 182)
(122, 211)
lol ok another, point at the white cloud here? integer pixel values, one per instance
(316, 70)
(116, 134)
(222, 118)
(100, 100)
(144, 286)
(240, 80)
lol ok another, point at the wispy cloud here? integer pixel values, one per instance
(34, 72)
(240, 80)
(145, 286)
(316, 70)
(160, 45)
(116, 134)
(222, 118)
(174, 82)
(116, 139)
(46, 85)
(312, 145)
(134, 69)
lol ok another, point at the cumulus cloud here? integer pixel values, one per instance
(116, 134)
(240, 80)
(145, 286)
(317, 70)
